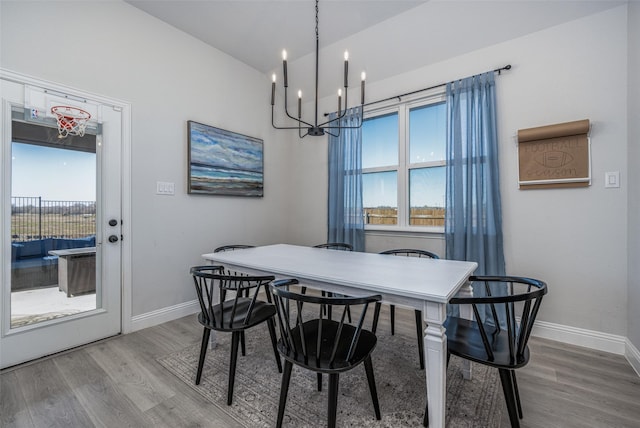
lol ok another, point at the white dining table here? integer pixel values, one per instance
(423, 284)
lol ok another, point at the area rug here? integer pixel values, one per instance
(400, 383)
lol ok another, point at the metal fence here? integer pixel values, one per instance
(35, 218)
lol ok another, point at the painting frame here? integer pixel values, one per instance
(222, 162)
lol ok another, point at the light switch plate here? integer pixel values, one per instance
(165, 188)
(612, 179)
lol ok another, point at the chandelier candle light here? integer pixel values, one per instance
(332, 126)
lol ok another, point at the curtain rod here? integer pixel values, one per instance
(497, 70)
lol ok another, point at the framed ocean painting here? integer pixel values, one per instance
(224, 162)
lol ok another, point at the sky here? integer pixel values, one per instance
(53, 174)
(427, 144)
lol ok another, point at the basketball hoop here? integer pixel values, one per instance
(71, 120)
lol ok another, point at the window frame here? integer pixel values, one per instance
(402, 108)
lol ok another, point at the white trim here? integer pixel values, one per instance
(633, 356)
(581, 337)
(126, 248)
(163, 315)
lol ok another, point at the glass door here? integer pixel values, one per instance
(61, 204)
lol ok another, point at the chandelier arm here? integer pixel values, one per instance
(343, 114)
(284, 127)
(332, 134)
(286, 110)
(342, 126)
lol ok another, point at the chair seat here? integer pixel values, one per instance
(321, 363)
(224, 311)
(464, 340)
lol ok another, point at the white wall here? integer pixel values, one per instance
(169, 78)
(575, 239)
(633, 95)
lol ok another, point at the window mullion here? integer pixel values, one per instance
(403, 177)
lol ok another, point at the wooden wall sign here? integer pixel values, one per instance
(555, 156)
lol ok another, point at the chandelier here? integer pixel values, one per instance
(332, 126)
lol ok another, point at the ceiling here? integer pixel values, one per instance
(384, 37)
(256, 31)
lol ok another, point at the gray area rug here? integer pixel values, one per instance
(401, 387)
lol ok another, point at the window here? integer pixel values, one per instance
(403, 165)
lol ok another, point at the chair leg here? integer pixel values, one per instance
(266, 291)
(509, 396)
(425, 420)
(203, 353)
(284, 389)
(319, 376)
(517, 393)
(272, 333)
(368, 367)
(332, 409)
(392, 308)
(420, 333)
(376, 316)
(242, 346)
(235, 339)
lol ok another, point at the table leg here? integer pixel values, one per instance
(466, 312)
(435, 353)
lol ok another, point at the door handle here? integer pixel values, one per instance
(113, 238)
(113, 222)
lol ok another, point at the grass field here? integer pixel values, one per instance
(25, 227)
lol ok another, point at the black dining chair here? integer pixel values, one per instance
(232, 247)
(406, 252)
(501, 339)
(322, 345)
(335, 246)
(234, 315)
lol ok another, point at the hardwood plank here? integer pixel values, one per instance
(51, 401)
(103, 400)
(189, 409)
(14, 411)
(121, 363)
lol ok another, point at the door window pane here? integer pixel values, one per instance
(380, 137)
(380, 197)
(53, 224)
(427, 139)
(426, 196)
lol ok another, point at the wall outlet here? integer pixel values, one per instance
(612, 179)
(165, 188)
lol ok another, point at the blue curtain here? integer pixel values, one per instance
(473, 225)
(346, 222)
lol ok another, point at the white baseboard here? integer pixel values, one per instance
(581, 337)
(633, 355)
(163, 315)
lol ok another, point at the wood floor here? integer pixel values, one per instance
(118, 383)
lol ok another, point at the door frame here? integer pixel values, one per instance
(126, 247)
